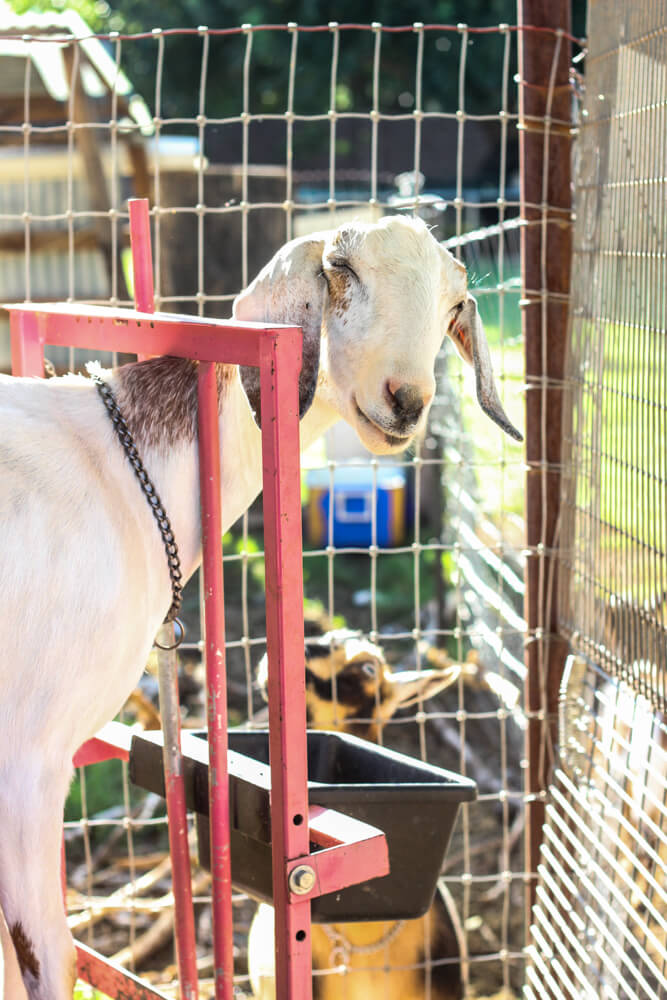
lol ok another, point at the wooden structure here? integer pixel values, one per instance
(70, 93)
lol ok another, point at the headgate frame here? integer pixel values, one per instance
(358, 851)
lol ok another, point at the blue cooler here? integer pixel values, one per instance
(353, 506)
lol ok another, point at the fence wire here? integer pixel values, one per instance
(615, 520)
(454, 584)
(599, 924)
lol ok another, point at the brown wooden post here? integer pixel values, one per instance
(546, 248)
(82, 113)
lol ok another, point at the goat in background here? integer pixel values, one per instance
(83, 573)
(350, 688)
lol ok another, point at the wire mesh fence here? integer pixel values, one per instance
(615, 499)
(228, 186)
(599, 926)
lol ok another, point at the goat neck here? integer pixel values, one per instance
(158, 399)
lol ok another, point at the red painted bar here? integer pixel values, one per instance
(353, 852)
(110, 978)
(216, 681)
(179, 848)
(279, 368)
(27, 344)
(112, 742)
(343, 865)
(142, 258)
(107, 328)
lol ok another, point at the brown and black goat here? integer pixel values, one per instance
(350, 688)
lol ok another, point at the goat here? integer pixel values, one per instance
(350, 688)
(82, 567)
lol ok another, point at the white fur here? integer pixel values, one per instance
(11, 981)
(83, 576)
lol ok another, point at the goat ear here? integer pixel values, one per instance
(289, 289)
(410, 686)
(467, 333)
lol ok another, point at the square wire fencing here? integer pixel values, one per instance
(318, 126)
(599, 925)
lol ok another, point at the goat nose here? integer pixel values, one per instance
(408, 399)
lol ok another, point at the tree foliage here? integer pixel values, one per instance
(271, 54)
(355, 85)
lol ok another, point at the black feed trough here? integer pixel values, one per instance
(413, 803)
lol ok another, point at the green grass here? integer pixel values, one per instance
(493, 309)
(497, 457)
(104, 788)
(84, 992)
(620, 434)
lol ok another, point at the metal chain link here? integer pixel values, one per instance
(341, 945)
(154, 502)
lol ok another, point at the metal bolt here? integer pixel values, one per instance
(301, 879)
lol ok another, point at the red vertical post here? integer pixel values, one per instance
(279, 368)
(27, 345)
(216, 680)
(142, 258)
(179, 849)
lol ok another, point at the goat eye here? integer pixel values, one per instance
(455, 313)
(342, 265)
(369, 669)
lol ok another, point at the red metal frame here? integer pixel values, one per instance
(177, 814)
(216, 684)
(352, 852)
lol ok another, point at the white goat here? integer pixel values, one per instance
(83, 574)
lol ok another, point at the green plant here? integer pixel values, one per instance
(84, 992)
(103, 789)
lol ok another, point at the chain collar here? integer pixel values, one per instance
(342, 948)
(154, 502)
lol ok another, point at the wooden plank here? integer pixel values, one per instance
(48, 240)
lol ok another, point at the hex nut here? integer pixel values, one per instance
(301, 879)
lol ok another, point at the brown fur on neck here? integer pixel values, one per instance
(158, 398)
(25, 952)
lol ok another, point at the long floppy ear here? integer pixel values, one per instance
(407, 687)
(467, 333)
(289, 289)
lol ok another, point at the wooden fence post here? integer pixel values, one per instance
(546, 248)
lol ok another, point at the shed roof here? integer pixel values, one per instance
(40, 39)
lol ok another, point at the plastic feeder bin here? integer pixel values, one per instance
(414, 804)
(353, 506)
